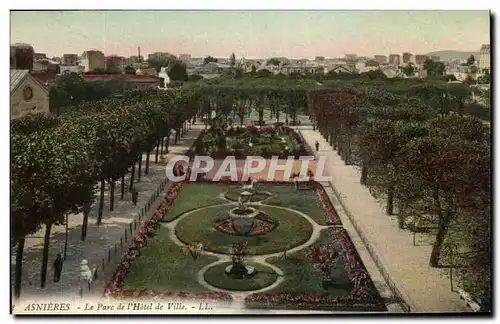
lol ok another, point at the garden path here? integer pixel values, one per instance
(405, 267)
(99, 239)
(238, 303)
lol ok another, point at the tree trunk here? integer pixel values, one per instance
(122, 185)
(112, 194)
(157, 150)
(277, 116)
(390, 200)
(443, 222)
(146, 170)
(86, 213)
(176, 136)
(66, 236)
(167, 143)
(19, 267)
(45, 255)
(161, 145)
(261, 116)
(101, 203)
(139, 167)
(132, 175)
(364, 174)
(242, 117)
(331, 138)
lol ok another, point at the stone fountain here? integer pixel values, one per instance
(243, 216)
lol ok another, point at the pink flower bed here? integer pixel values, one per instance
(362, 294)
(139, 240)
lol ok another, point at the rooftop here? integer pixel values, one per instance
(16, 76)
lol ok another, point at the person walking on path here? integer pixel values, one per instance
(135, 196)
(85, 277)
(58, 264)
(317, 146)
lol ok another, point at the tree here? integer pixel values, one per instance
(485, 78)
(273, 61)
(434, 69)
(177, 71)
(158, 63)
(209, 59)
(129, 69)
(409, 70)
(449, 77)
(232, 60)
(471, 60)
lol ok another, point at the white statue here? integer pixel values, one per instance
(248, 186)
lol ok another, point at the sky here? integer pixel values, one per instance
(252, 34)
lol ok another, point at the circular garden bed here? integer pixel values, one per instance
(264, 276)
(292, 230)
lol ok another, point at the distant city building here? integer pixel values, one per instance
(69, 59)
(114, 64)
(92, 60)
(484, 57)
(407, 58)
(420, 59)
(435, 58)
(66, 69)
(46, 65)
(160, 56)
(184, 57)
(27, 95)
(350, 57)
(382, 59)
(40, 56)
(319, 59)
(134, 59)
(394, 59)
(24, 56)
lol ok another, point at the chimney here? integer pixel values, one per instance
(139, 51)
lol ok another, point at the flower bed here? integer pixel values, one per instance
(139, 240)
(300, 147)
(363, 296)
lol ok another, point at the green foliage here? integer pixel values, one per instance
(409, 70)
(209, 59)
(471, 60)
(177, 71)
(434, 69)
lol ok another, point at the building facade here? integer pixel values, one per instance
(382, 59)
(114, 64)
(420, 59)
(160, 56)
(484, 57)
(92, 60)
(394, 59)
(435, 58)
(407, 58)
(69, 60)
(27, 95)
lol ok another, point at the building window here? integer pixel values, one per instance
(28, 93)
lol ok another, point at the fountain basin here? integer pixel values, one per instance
(237, 213)
(243, 221)
(249, 271)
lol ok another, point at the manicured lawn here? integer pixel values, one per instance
(163, 266)
(263, 277)
(302, 279)
(291, 231)
(193, 196)
(305, 201)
